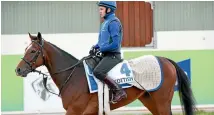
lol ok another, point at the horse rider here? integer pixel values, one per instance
(109, 46)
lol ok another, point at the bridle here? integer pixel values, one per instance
(35, 57)
(45, 76)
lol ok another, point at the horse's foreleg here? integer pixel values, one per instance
(72, 111)
(77, 106)
(92, 106)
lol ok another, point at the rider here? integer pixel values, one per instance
(109, 45)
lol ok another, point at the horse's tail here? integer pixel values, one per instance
(186, 96)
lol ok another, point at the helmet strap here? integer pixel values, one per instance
(108, 13)
(107, 10)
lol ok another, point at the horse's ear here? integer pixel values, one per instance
(30, 36)
(39, 36)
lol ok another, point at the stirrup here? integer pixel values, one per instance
(111, 101)
(114, 102)
(121, 97)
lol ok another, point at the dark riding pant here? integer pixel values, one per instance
(106, 64)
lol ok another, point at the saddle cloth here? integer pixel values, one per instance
(144, 72)
(147, 72)
(121, 73)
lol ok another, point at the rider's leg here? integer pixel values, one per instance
(100, 71)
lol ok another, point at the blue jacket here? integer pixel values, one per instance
(110, 36)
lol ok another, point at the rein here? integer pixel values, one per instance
(68, 78)
(45, 76)
(73, 65)
(66, 81)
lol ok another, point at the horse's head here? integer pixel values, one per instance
(33, 57)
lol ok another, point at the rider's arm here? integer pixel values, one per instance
(96, 46)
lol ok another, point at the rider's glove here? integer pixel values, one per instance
(92, 51)
(98, 53)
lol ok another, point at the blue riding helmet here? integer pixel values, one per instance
(109, 4)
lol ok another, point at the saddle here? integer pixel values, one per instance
(92, 61)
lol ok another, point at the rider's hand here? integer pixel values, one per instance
(98, 53)
(92, 50)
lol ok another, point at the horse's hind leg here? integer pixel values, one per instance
(157, 104)
(160, 102)
(148, 102)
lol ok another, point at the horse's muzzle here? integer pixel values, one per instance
(20, 72)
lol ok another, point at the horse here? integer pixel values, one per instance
(68, 74)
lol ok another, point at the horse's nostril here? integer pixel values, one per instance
(18, 70)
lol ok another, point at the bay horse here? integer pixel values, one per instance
(75, 94)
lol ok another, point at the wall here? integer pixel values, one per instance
(19, 17)
(168, 43)
(183, 15)
(73, 43)
(177, 40)
(181, 40)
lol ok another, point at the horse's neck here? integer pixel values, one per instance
(57, 60)
(77, 84)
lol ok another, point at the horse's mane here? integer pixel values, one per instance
(64, 52)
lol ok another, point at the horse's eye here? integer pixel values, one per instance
(33, 51)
